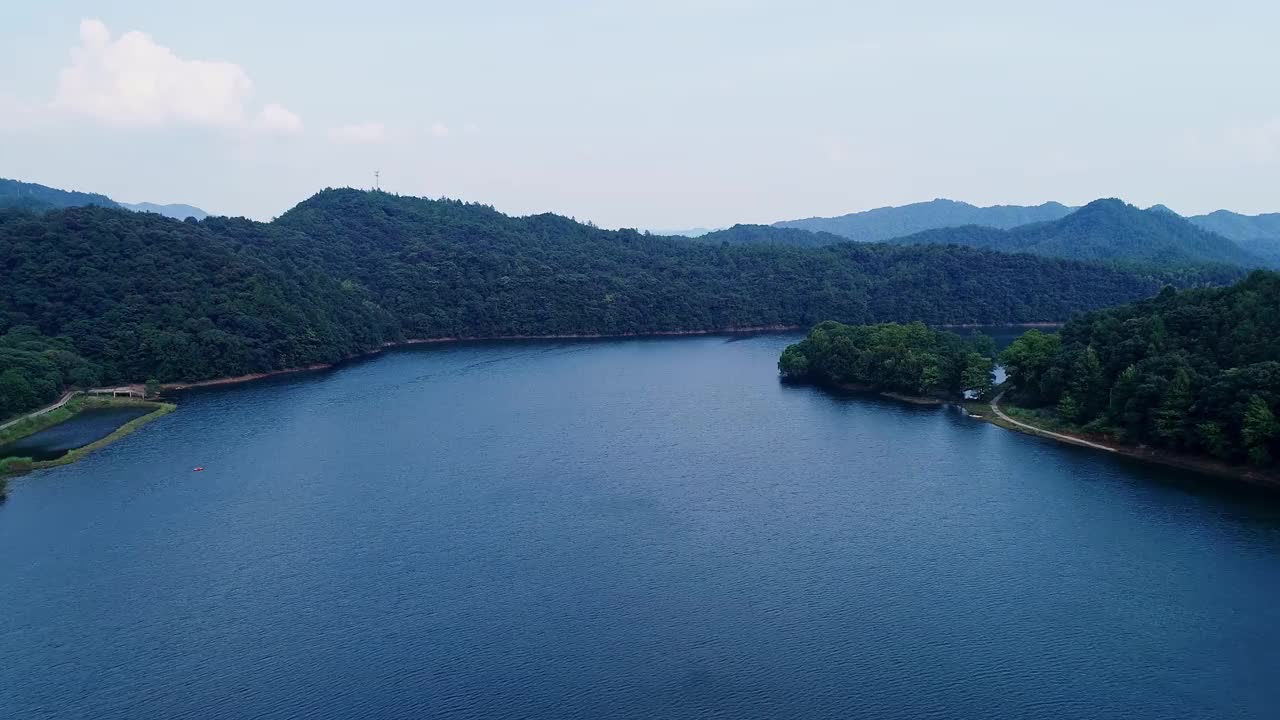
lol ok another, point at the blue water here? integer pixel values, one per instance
(87, 426)
(639, 529)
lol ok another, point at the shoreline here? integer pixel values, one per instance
(391, 345)
(989, 412)
(1194, 463)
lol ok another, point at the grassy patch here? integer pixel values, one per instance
(1039, 417)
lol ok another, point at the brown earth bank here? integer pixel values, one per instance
(429, 341)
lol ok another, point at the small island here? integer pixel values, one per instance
(909, 362)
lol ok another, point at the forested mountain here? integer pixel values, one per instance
(1195, 371)
(30, 196)
(1104, 230)
(176, 211)
(17, 194)
(891, 222)
(140, 296)
(1257, 234)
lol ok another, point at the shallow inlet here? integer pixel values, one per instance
(87, 426)
(623, 529)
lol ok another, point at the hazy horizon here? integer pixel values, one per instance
(667, 115)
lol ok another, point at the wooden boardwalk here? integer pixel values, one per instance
(133, 391)
(37, 413)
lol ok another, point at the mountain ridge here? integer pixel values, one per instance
(885, 223)
(1106, 230)
(33, 196)
(1257, 234)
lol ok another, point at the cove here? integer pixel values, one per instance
(622, 529)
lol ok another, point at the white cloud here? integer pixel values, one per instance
(438, 130)
(131, 81)
(360, 134)
(275, 118)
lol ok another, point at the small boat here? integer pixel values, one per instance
(199, 469)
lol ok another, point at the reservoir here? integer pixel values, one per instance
(89, 425)
(649, 528)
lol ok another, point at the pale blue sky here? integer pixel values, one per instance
(658, 114)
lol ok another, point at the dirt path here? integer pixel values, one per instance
(995, 408)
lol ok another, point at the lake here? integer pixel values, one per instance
(623, 529)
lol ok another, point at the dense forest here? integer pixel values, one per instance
(887, 223)
(912, 359)
(138, 296)
(1105, 230)
(1195, 371)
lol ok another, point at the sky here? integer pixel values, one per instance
(661, 114)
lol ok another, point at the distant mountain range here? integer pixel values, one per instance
(892, 222)
(1258, 235)
(1104, 230)
(687, 232)
(177, 210)
(31, 196)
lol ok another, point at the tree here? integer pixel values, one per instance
(1027, 360)
(1260, 431)
(889, 356)
(1068, 409)
(977, 377)
(153, 388)
(793, 364)
(16, 394)
(1171, 418)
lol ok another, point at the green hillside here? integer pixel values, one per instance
(140, 296)
(1194, 371)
